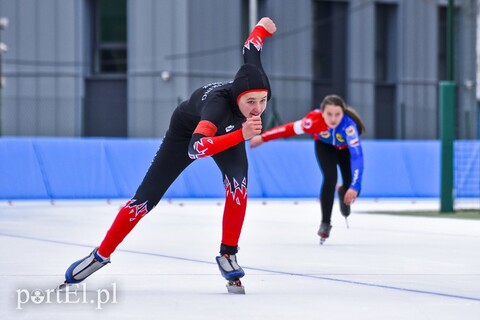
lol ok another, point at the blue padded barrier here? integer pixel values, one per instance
(202, 179)
(75, 168)
(285, 168)
(129, 161)
(20, 173)
(401, 169)
(71, 168)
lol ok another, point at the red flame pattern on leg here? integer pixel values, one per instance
(234, 212)
(127, 218)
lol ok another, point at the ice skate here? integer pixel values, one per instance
(344, 209)
(83, 268)
(324, 232)
(232, 272)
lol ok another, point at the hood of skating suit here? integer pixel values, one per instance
(249, 78)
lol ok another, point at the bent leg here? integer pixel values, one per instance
(345, 168)
(171, 159)
(327, 160)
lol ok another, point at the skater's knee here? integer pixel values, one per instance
(235, 181)
(149, 199)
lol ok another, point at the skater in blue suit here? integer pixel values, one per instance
(336, 129)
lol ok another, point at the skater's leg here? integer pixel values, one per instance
(234, 167)
(324, 230)
(345, 170)
(170, 160)
(168, 163)
(327, 160)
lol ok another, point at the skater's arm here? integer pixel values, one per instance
(350, 196)
(204, 143)
(312, 123)
(202, 146)
(352, 138)
(254, 43)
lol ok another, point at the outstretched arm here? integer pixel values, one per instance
(312, 123)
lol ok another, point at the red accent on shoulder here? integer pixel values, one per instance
(315, 120)
(206, 128)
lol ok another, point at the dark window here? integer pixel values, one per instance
(385, 71)
(110, 46)
(330, 49)
(442, 43)
(385, 42)
(323, 34)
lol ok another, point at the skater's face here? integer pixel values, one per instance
(253, 103)
(333, 115)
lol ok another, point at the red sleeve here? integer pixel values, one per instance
(256, 37)
(202, 146)
(282, 131)
(312, 123)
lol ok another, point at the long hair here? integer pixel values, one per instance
(338, 101)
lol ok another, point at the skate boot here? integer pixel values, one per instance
(231, 271)
(324, 231)
(83, 268)
(344, 209)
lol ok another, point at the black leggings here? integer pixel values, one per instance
(328, 158)
(172, 158)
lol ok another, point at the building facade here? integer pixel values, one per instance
(119, 67)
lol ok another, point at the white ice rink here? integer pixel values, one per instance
(382, 267)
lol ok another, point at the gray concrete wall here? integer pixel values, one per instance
(43, 68)
(418, 78)
(197, 42)
(361, 73)
(288, 58)
(466, 36)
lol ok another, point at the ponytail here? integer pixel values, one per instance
(338, 101)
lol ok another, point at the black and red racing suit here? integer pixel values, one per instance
(209, 123)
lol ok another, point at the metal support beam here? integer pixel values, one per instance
(252, 13)
(447, 120)
(447, 136)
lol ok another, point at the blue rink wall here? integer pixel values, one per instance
(72, 168)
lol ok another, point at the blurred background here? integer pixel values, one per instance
(118, 68)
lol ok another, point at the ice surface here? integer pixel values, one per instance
(382, 267)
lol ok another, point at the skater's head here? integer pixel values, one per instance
(251, 90)
(334, 108)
